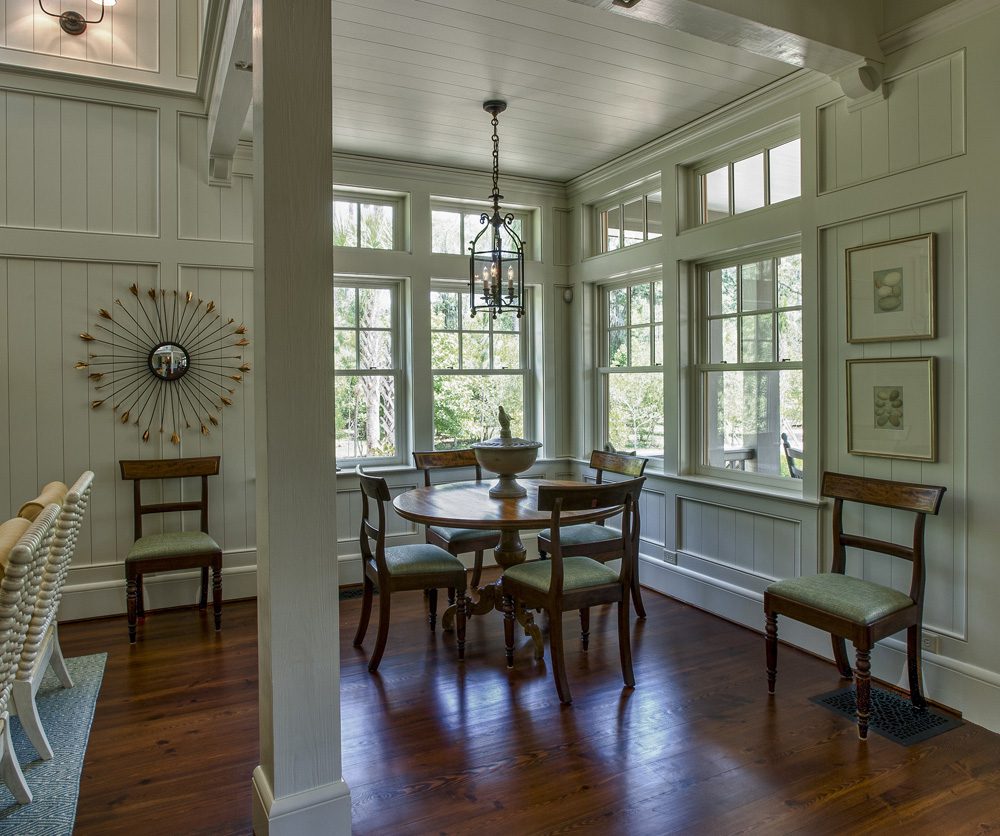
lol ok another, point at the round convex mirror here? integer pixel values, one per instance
(169, 361)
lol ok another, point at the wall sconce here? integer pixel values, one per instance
(74, 23)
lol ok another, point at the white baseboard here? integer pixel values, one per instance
(325, 809)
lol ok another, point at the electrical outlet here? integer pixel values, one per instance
(670, 557)
(930, 642)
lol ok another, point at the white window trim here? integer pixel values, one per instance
(471, 207)
(618, 200)
(399, 336)
(397, 201)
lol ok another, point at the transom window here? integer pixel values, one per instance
(367, 369)
(367, 221)
(759, 179)
(630, 221)
(751, 362)
(453, 227)
(479, 364)
(631, 367)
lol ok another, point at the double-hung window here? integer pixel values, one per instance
(631, 367)
(367, 220)
(479, 364)
(750, 370)
(367, 369)
(455, 226)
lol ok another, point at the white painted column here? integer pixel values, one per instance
(298, 786)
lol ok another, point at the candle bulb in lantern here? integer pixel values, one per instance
(510, 280)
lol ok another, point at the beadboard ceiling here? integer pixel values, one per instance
(583, 86)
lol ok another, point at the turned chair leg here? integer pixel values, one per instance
(913, 642)
(863, 684)
(624, 643)
(383, 630)
(217, 593)
(840, 657)
(130, 598)
(508, 628)
(558, 660)
(432, 602)
(366, 612)
(585, 628)
(771, 650)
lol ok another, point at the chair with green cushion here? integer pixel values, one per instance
(401, 568)
(576, 582)
(594, 540)
(171, 550)
(853, 608)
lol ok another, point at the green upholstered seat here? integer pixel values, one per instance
(461, 535)
(851, 598)
(579, 535)
(419, 559)
(578, 573)
(176, 543)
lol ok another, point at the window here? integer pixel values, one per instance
(751, 362)
(631, 221)
(366, 369)
(368, 221)
(759, 179)
(454, 227)
(631, 368)
(478, 364)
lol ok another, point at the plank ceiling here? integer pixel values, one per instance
(583, 85)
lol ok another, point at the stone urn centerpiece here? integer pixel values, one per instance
(506, 456)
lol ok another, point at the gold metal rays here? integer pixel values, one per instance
(171, 362)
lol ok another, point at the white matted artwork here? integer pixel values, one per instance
(891, 408)
(890, 290)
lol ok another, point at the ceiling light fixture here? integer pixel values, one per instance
(496, 265)
(74, 23)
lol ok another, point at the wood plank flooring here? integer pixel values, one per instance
(431, 746)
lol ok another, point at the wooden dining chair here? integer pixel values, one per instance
(171, 550)
(595, 540)
(854, 608)
(24, 549)
(400, 568)
(456, 541)
(575, 582)
(41, 644)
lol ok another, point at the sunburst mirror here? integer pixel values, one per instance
(172, 364)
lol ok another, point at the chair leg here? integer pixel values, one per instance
(27, 711)
(913, 642)
(542, 555)
(558, 661)
(863, 685)
(585, 628)
(58, 662)
(10, 769)
(203, 600)
(508, 628)
(383, 630)
(460, 612)
(366, 612)
(771, 650)
(432, 601)
(640, 609)
(130, 599)
(840, 657)
(477, 569)
(624, 642)
(140, 604)
(217, 593)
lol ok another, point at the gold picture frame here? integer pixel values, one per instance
(891, 289)
(891, 408)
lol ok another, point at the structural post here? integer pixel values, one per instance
(298, 786)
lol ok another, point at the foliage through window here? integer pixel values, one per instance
(751, 362)
(631, 368)
(367, 370)
(453, 228)
(759, 179)
(629, 222)
(366, 221)
(479, 364)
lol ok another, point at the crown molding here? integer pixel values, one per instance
(934, 23)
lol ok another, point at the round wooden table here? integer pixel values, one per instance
(469, 505)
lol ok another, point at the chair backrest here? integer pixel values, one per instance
(903, 496)
(445, 459)
(620, 463)
(791, 455)
(61, 550)
(141, 469)
(376, 489)
(24, 549)
(617, 496)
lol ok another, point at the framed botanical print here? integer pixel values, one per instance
(891, 407)
(890, 290)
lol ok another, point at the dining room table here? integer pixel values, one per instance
(469, 505)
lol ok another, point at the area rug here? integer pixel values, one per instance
(66, 715)
(892, 716)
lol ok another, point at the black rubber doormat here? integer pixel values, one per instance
(892, 716)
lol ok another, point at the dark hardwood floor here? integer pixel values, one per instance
(431, 746)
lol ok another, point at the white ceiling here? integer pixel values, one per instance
(583, 86)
